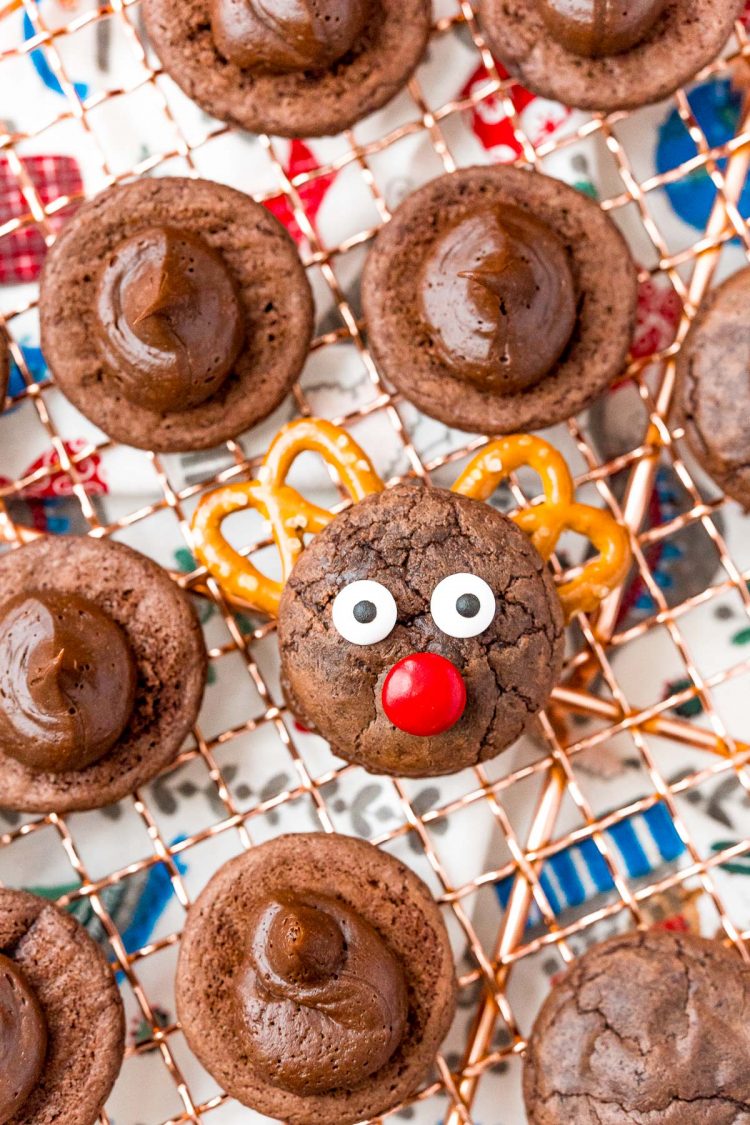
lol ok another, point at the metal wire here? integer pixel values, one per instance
(590, 687)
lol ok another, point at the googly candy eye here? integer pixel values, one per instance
(462, 605)
(364, 612)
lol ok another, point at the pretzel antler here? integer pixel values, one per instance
(545, 522)
(291, 516)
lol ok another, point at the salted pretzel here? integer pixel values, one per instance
(291, 516)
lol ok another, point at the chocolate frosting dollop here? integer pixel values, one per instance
(287, 35)
(67, 681)
(595, 28)
(23, 1039)
(498, 297)
(323, 997)
(168, 318)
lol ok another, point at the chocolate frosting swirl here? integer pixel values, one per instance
(287, 35)
(324, 999)
(168, 318)
(67, 681)
(497, 294)
(23, 1039)
(593, 28)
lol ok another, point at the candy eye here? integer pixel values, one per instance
(462, 605)
(364, 612)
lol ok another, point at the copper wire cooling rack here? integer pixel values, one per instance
(590, 689)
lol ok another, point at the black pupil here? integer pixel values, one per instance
(468, 605)
(365, 612)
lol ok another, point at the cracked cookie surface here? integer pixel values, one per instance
(409, 538)
(714, 390)
(644, 1029)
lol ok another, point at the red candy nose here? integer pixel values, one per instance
(424, 694)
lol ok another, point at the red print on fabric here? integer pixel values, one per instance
(677, 924)
(311, 194)
(22, 252)
(494, 129)
(659, 310)
(58, 483)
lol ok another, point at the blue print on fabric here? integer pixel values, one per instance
(42, 67)
(36, 365)
(717, 110)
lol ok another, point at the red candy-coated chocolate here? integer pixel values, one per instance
(424, 694)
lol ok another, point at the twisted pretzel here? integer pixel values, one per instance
(291, 516)
(545, 522)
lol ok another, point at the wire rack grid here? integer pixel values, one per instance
(590, 688)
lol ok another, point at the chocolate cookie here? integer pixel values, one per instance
(713, 392)
(175, 313)
(420, 632)
(644, 1029)
(62, 1028)
(102, 670)
(306, 70)
(499, 300)
(603, 55)
(315, 979)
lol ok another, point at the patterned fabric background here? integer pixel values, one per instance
(120, 480)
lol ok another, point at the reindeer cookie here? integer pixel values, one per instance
(420, 630)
